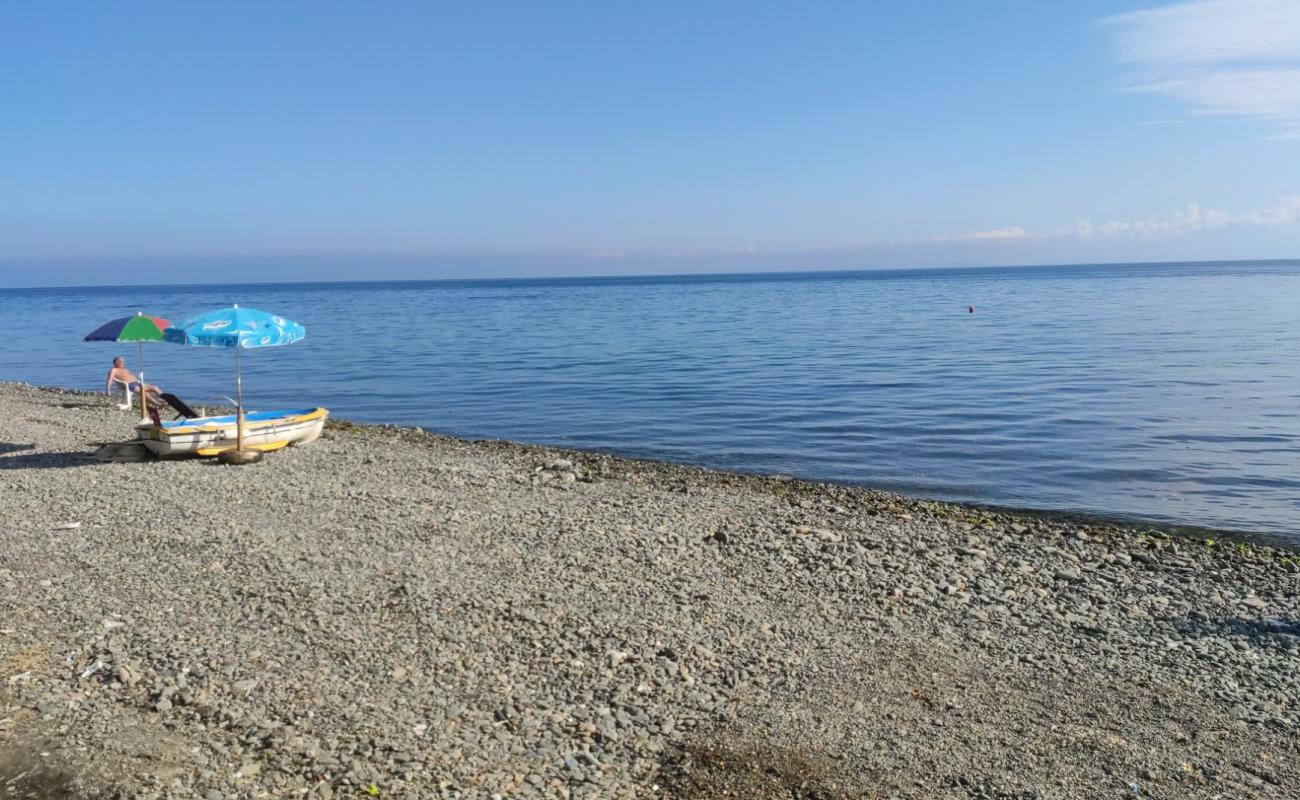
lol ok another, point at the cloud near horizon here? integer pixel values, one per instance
(1013, 232)
(1009, 232)
(1225, 58)
(1193, 218)
(1187, 220)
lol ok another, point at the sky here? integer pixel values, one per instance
(152, 141)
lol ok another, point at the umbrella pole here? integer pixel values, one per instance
(239, 455)
(144, 392)
(239, 400)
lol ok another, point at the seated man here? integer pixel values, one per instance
(119, 372)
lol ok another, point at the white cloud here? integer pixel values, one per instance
(1013, 232)
(1231, 58)
(1010, 232)
(1190, 219)
(854, 244)
(1185, 221)
(1286, 212)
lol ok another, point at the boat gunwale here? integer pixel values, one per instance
(195, 427)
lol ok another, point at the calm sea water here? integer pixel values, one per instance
(1159, 392)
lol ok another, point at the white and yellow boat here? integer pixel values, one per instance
(210, 436)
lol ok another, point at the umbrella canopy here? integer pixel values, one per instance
(140, 328)
(238, 329)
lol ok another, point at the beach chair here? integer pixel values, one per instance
(182, 409)
(127, 394)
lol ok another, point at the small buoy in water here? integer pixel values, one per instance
(970, 309)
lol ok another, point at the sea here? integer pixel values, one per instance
(1167, 393)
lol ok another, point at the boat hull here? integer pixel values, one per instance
(210, 436)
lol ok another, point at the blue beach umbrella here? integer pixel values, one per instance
(240, 329)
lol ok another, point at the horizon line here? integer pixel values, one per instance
(645, 276)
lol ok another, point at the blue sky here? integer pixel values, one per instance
(359, 140)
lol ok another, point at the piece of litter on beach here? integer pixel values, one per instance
(22, 676)
(67, 526)
(92, 669)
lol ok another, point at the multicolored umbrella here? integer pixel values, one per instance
(140, 329)
(240, 329)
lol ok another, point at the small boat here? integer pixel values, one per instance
(210, 436)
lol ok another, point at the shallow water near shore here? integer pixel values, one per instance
(1168, 393)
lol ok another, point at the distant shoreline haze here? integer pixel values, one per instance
(212, 272)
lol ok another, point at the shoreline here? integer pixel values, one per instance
(388, 612)
(1267, 541)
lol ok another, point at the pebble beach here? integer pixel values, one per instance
(390, 613)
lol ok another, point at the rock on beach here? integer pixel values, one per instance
(393, 613)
